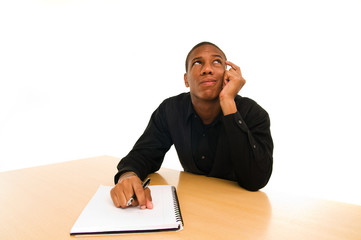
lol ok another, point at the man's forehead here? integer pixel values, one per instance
(203, 48)
(206, 50)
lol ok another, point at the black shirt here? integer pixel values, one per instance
(238, 146)
(204, 142)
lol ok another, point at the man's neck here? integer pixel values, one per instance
(208, 111)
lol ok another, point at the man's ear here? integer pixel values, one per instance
(186, 80)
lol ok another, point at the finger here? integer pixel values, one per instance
(128, 186)
(230, 74)
(139, 192)
(114, 197)
(135, 203)
(128, 193)
(148, 197)
(122, 200)
(118, 197)
(233, 66)
(226, 78)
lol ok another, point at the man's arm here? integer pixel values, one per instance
(148, 152)
(233, 82)
(146, 157)
(251, 146)
(250, 139)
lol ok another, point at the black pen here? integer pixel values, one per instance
(145, 185)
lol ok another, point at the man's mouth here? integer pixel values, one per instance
(208, 82)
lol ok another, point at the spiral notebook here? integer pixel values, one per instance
(100, 216)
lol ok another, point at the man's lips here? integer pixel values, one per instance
(208, 82)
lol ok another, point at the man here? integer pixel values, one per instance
(215, 132)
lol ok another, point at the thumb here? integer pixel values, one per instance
(225, 78)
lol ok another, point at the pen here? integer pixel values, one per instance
(145, 185)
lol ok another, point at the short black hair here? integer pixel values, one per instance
(201, 44)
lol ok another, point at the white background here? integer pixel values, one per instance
(81, 78)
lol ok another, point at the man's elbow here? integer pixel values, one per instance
(254, 183)
(252, 187)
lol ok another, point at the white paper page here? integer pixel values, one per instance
(100, 215)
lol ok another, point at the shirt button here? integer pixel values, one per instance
(203, 157)
(240, 122)
(203, 135)
(254, 146)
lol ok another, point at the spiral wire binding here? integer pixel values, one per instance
(177, 211)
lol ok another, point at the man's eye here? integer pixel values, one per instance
(197, 62)
(217, 61)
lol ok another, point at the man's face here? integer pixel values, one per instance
(206, 67)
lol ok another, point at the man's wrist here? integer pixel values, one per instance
(126, 175)
(228, 106)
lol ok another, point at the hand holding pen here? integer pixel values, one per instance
(131, 187)
(145, 185)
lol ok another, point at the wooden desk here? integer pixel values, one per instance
(44, 203)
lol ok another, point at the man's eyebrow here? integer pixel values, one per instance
(217, 55)
(196, 58)
(214, 55)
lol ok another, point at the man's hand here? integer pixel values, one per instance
(128, 184)
(232, 84)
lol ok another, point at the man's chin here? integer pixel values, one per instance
(211, 97)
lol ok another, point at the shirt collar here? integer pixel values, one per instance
(190, 110)
(191, 113)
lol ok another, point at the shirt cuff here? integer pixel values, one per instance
(237, 120)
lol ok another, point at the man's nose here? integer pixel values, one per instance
(207, 69)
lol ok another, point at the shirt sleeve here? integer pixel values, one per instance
(251, 146)
(148, 152)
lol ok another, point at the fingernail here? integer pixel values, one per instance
(142, 207)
